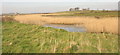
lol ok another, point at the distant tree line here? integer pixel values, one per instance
(74, 9)
(77, 9)
(83, 9)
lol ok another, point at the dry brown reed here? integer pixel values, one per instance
(7, 18)
(92, 24)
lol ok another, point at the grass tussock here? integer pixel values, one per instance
(25, 38)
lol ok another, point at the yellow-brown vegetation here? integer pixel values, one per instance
(92, 24)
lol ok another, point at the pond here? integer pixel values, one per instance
(69, 28)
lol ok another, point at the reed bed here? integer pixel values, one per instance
(92, 24)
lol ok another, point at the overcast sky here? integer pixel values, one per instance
(60, 0)
(36, 6)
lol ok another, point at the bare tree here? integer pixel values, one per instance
(103, 9)
(77, 8)
(71, 9)
(88, 9)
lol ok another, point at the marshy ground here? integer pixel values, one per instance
(21, 36)
(97, 21)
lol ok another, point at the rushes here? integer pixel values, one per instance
(55, 46)
(99, 45)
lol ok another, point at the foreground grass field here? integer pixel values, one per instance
(27, 38)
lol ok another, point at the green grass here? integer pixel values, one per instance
(26, 38)
(89, 13)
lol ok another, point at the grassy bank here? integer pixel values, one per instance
(24, 38)
(92, 13)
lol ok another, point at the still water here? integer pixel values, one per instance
(69, 28)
